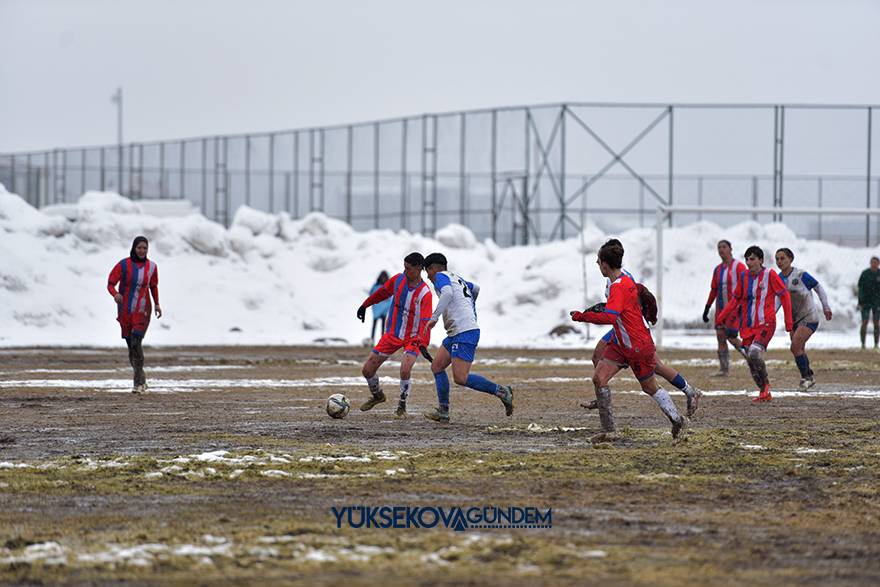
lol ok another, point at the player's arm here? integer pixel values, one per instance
(733, 304)
(383, 293)
(424, 317)
(475, 290)
(604, 315)
(713, 293)
(781, 292)
(154, 291)
(113, 279)
(443, 286)
(813, 285)
(864, 297)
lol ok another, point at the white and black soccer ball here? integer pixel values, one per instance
(338, 406)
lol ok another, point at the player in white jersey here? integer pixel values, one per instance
(805, 315)
(692, 394)
(457, 304)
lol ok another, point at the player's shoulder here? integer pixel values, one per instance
(443, 278)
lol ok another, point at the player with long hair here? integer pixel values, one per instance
(725, 277)
(800, 286)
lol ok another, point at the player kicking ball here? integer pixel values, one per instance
(755, 297)
(632, 347)
(405, 328)
(457, 306)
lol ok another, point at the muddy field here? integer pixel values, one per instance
(228, 469)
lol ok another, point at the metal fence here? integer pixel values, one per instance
(518, 174)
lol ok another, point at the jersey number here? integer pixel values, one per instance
(464, 288)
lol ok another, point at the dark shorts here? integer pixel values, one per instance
(814, 326)
(642, 364)
(760, 335)
(868, 310)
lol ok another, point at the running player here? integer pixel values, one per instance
(138, 279)
(806, 317)
(405, 329)
(725, 278)
(675, 378)
(755, 297)
(457, 305)
(632, 347)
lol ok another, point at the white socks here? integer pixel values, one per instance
(405, 384)
(661, 396)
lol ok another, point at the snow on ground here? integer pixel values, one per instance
(271, 279)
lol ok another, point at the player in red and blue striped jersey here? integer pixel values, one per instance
(405, 328)
(756, 297)
(632, 345)
(725, 277)
(138, 279)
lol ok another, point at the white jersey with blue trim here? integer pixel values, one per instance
(456, 303)
(608, 281)
(800, 286)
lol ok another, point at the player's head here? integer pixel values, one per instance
(875, 263)
(610, 257)
(435, 263)
(139, 248)
(383, 277)
(413, 265)
(725, 250)
(754, 257)
(784, 257)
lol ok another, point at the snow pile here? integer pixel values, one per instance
(276, 280)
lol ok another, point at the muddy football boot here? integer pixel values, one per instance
(806, 383)
(720, 374)
(680, 428)
(438, 416)
(139, 388)
(507, 398)
(373, 401)
(693, 402)
(764, 396)
(400, 412)
(593, 405)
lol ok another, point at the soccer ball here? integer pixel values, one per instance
(338, 406)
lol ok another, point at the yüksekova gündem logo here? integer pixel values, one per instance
(453, 518)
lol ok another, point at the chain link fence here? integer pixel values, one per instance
(517, 175)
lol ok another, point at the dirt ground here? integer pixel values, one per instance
(227, 472)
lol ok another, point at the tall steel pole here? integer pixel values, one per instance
(117, 99)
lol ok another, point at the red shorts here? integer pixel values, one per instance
(390, 344)
(642, 364)
(760, 335)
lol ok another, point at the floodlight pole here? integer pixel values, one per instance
(660, 218)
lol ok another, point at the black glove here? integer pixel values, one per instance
(706, 314)
(600, 307)
(426, 354)
(362, 313)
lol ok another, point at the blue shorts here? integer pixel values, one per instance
(814, 326)
(609, 336)
(463, 345)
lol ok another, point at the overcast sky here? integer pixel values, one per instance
(198, 67)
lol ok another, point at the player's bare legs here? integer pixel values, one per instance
(371, 366)
(406, 365)
(598, 352)
(799, 338)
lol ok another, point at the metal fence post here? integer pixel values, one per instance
(376, 175)
(494, 172)
(348, 171)
(670, 172)
(868, 184)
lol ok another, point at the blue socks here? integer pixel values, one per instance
(803, 364)
(441, 380)
(477, 382)
(480, 383)
(679, 382)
